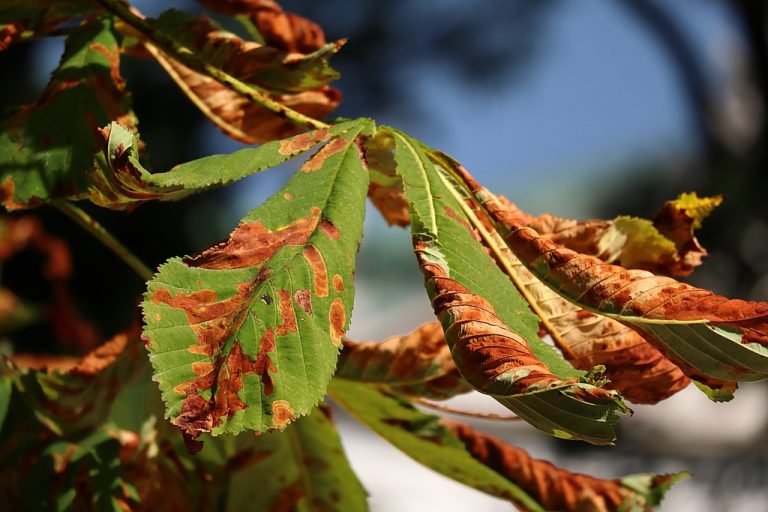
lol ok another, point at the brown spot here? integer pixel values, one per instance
(317, 161)
(287, 313)
(7, 192)
(319, 272)
(287, 196)
(282, 413)
(252, 243)
(157, 316)
(338, 283)
(337, 318)
(303, 142)
(263, 364)
(329, 229)
(304, 299)
(202, 368)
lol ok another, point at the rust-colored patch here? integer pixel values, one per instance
(304, 299)
(327, 227)
(263, 364)
(303, 142)
(202, 368)
(338, 283)
(319, 272)
(7, 193)
(252, 244)
(282, 413)
(550, 486)
(287, 314)
(317, 161)
(287, 196)
(337, 318)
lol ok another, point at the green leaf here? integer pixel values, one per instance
(423, 438)
(119, 180)
(535, 383)
(304, 466)
(246, 335)
(47, 148)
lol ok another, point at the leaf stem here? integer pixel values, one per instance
(461, 412)
(100, 233)
(188, 58)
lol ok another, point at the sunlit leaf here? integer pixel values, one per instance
(246, 335)
(489, 328)
(710, 337)
(119, 180)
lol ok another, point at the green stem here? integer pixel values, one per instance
(188, 58)
(99, 232)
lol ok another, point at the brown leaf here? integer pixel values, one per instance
(552, 487)
(386, 188)
(239, 117)
(664, 245)
(9, 34)
(280, 29)
(666, 312)
(417, 364)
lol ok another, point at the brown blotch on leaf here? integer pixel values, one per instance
(338, 283)
(304, 299)
(337, 318)
(317, 161)
(252, 243)
(263, 364)
(7, 193)
(287, 196)
(287, 314)
(303, 142)
(319, 272)
(282, 413)
(327, 227)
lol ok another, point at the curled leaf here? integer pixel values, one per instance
(417, 364)
(713, 339)
(246, 335)
(558, 489)
(120, 181)
(489, 328)
(298, 81)
(665, 244)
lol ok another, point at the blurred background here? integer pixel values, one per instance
(582, 109)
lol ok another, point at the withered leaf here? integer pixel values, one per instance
(416, 364)
(297, 80)
(487, 464)
(558, 489)
(489, 328)
(713, 339)
(246, 335)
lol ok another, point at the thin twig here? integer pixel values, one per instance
(462, 412)
(99, 232)
(188, 58)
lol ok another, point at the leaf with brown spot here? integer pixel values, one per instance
(634, 367)
(120, 181)
(258, 309)
(558, 489)
(297, 80)
(713, 339)
(386, 188)
(490, 330)
(415, 364)
(47, 148)
(665, 244)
